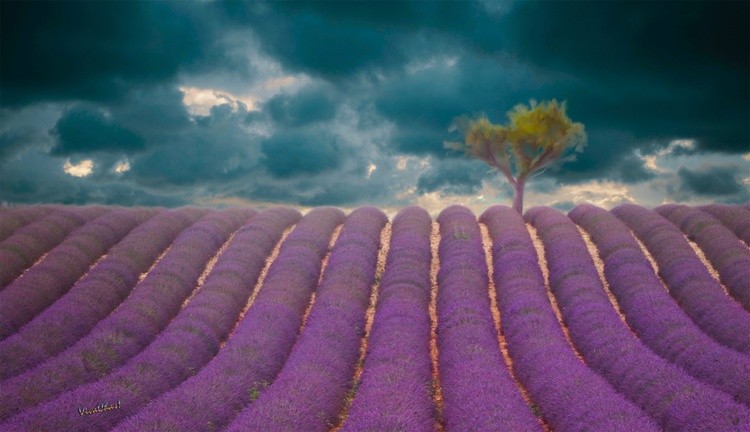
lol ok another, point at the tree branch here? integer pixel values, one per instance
(503, 166)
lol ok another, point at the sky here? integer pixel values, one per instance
(306, 104)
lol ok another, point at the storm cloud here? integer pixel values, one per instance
(330, 103)
(82, 130)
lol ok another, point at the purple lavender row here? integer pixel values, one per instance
(724, 250)
(676, 400)
(734, 217)
(183, 348)
(309, 392)
(14, 218)
(478, 391)
(698, 294)
(570, 396)
(654, 316)
(93, 296)
(44, 283)
(132, 326)
(258, 347)
(22, 249)
(395, 392)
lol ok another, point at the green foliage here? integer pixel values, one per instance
(255, 390)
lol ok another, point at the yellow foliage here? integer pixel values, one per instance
(536, 136)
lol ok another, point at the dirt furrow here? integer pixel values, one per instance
(539, 246)
(599, 264)
(385, 241)
(434, 268)
(262, 278)
(487, 245)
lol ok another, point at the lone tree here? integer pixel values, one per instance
(536, 137)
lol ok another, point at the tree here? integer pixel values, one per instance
(536, 137)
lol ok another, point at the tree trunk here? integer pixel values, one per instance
(518, 195)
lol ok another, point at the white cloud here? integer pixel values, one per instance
(199, 101)
(650, 161)
(405, 162)
(277, 83)
(121, 167)
(433, 62)
(687, 144)
(371, 169)
(606, 194)
(435, 202)
(81, 169)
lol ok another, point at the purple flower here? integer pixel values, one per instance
(258, 347)
(309, 392)
(132, 325)
(478, 391)
(190, 340)
(395, 389)
(570, 396)
(655, 316)
(724, 250)
(676, 400)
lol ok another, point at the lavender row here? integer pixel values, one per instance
(183, 348)
(395, 389)
(653, 314)
(570, 396)
(724, 250)
(478, 391)
(44, 283)
(734, 217)
(92, 297)
(676, 400)
(22, 249)
(698, 294)
(259, 346)
(125, 332)
(14, 218)
(309, 392)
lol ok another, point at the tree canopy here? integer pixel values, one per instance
(536, 136)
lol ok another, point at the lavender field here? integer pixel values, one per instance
(194, 319)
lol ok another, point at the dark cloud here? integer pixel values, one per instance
(711, 181)
(33, 178)
(428, 99)
(154, 111)
(372, 83)
(13, 141)
(453, 176)
(309, 105)
(309, 42)
(656, 69)
(424, 102)
(96, 51)
(419, 141)
(294, 153)
(84, 130)
(675, 43)
(345, 193)
(213, 149)
(340, 40)
(632, 170)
